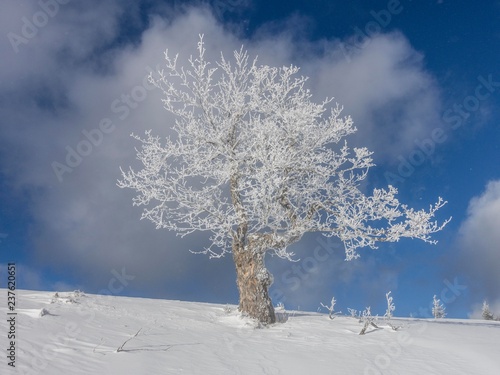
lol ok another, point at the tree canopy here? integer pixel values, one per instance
(253, 158)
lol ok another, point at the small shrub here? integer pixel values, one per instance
(368, 320)
(331, 308)
(44, 312)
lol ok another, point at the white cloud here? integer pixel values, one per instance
(479, 240)
(385, 88)
(66, 79)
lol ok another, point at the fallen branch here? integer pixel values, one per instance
(120, 349)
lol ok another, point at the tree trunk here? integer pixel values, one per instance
(253, 281)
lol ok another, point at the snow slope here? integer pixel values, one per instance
(80, 334)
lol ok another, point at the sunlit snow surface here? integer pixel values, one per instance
(81, 334)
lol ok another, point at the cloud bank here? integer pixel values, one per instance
(75, 90)
(478, 241)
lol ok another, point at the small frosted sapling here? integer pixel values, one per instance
(281, 313)
(438, 308)
(388, 313)
(486, 313)
(368, 320)
(352, 312)
(331, 308)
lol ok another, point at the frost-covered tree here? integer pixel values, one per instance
(331, 308)
(437, 308)
(390, 306)
(390, 309)
(352, 312)
(257, 164)
(367, 319)
(486, 313)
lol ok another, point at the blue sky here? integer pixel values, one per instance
(420, 79)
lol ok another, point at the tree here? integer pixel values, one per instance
(437, 308)
(331, 308)
(388, 313)
(257, 164)
(368, 320)
(390, 305)
(486, 313)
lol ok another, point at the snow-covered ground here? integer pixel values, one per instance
(80, 334)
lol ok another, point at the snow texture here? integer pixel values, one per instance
(196, 338)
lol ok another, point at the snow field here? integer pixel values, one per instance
(80, 334)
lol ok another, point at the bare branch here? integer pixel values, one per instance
(120, 348)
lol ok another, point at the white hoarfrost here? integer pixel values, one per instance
(368, 320)
(389, 312)
(254, 159)
(257, 164)
(331, 308)
(390, 306)
(438, 309)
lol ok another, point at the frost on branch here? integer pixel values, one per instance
(390, 305)
(388, 313)
(254, 162)
(331, 308)
(368, 320)
(352, 312)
